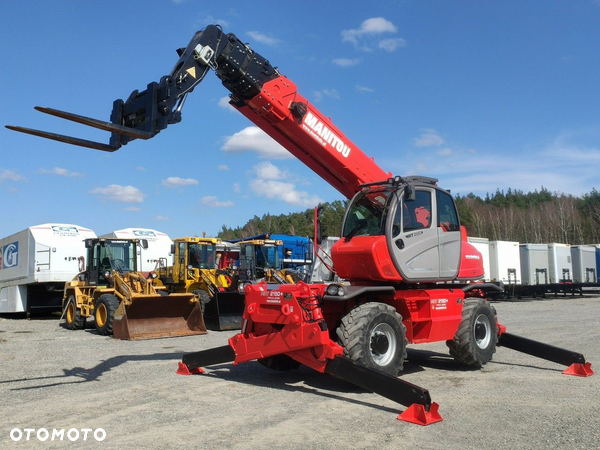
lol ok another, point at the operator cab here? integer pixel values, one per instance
(107, 255)
(417, 222)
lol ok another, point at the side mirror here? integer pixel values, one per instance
(144, 243)
(89, 243)
(409, 194)
(172, 249)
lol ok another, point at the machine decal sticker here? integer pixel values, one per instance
(10, 255)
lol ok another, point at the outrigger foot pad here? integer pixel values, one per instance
(417, 414)
(183, 369)
(580, 370)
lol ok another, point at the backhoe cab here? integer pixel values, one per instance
(259, 261)
(204, 266)
(122, 301)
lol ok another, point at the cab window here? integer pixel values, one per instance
(447, 217)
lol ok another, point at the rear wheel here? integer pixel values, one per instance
(475, 341)
(75, 321)
(104, 313)
(373, 335)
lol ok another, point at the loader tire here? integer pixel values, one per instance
(373, 335)
(73, 317)
(282, 363)
(475, 341)
(104, 313)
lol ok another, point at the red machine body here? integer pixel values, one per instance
(409, 267)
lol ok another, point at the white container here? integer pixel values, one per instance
(35, 264)
(159, 246)
(583, 258)
(505, 262)
(483, 246)
(559, 262)
(534, 264)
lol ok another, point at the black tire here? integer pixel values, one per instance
(104, 313)
(282, 363)
(373, 335)
(73, 317)
(475, 341)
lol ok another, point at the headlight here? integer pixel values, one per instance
(107, 274)
(335, 290)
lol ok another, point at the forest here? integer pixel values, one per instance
(534, 217)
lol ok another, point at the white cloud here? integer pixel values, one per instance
(161, 218)
(215, 202)
(61, 172)
(9, 175)
(428, 138)
(223, 167)
(118, 193)
(178, 182)
(390, 45)
(224, 103)
(346, 62)
(132, 209)
(330, 93)
(445, 152)
(263, 38)
(366, 36)
(212, 19)
(269, 171)
(268, 183)
(360, 88)
(253, 139)
(236, 188)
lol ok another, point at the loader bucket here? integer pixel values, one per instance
(224, 311)
(158, 316)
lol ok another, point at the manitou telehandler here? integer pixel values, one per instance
(204, 266)
(402, 247)
(122, 301)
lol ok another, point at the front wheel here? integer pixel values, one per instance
(75, 321)
(373, 335)
(104, 313)
(475, 341)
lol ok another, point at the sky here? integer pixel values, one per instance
(481, 95)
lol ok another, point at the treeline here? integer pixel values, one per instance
(533, 217)
(294, 224)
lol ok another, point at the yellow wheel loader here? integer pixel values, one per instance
(259, 261)
(204, 266)
(123, 302)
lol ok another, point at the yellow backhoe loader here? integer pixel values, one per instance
(259, 261)
(123, 302)
(204, 266)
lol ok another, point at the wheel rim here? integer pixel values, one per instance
(383, 344)
(70, 313)
(101, 315)
(482, 331)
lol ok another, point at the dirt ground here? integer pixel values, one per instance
(54, 378)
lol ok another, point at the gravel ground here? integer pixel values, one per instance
(54, 378)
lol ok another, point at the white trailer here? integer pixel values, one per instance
(505, 262)
(159, 246)
(35, 264)
(534, 264)
(483, 246)
(559, 261)
(583, 258)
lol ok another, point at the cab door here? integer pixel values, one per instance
(449, 235)
(413, 237)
